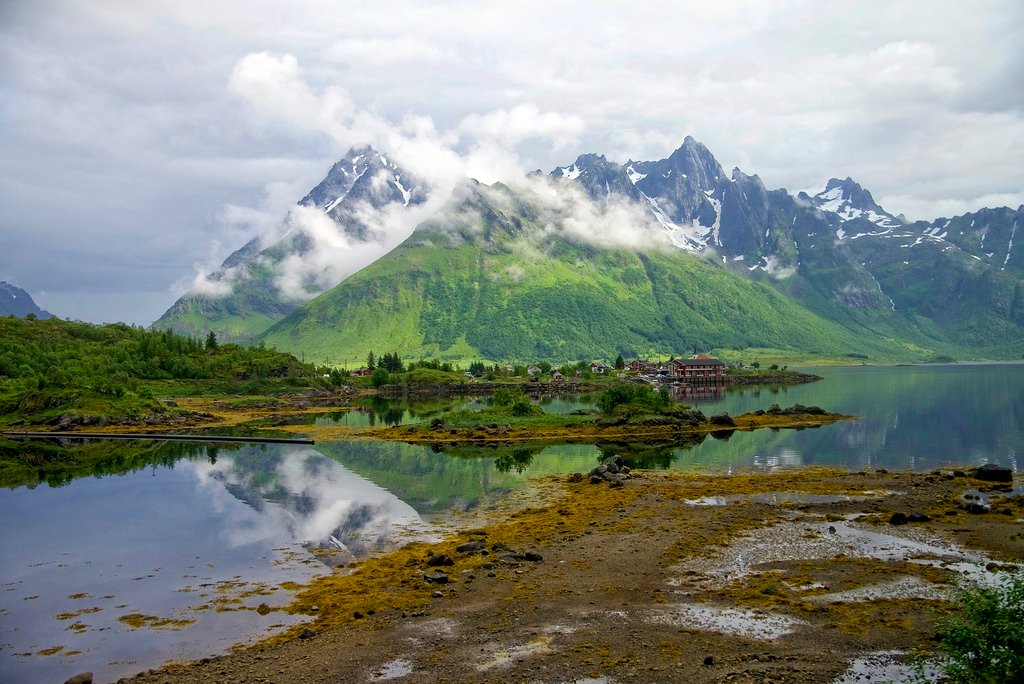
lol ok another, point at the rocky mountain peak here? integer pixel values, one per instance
(368, 175)
(848, 200)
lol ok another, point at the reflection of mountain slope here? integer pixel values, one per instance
(310, 495)
(430, 482)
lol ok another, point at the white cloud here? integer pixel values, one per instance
(333, 254)
(522, 122)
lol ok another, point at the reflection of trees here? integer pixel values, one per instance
(506, 457)
(59, 461)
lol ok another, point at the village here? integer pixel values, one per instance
(698, 369)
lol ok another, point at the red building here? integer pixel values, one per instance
(702, 370)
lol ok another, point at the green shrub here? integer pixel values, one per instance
(627, 393)
(985, 644)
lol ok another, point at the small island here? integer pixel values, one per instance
(624, 411)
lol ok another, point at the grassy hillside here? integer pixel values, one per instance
(493, 287)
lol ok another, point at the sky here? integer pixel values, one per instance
(143, 142)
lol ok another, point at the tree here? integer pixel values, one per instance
(620, 362)
(211, 340)
(391, 362)
(371, 362)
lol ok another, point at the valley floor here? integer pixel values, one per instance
(789, 576)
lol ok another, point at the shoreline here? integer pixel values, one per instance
(787, 575)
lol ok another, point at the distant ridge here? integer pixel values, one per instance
(16, 302)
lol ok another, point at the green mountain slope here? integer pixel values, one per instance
(488, 278)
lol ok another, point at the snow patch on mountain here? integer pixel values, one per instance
(634, 175)
(571, 172)
(692, 237)
(773, 267)
(849, 201)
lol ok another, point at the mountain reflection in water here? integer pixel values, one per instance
(316, 499)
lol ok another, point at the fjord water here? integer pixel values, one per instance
(141, 564)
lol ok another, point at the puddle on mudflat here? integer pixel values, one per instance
(753, 624)
(392, 670)
(788, 498)
(884, 666)
(504, 657)
(903, 588)
(793, 541)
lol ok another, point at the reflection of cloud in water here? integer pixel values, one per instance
(299, 490)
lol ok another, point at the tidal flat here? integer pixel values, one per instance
(806, 575)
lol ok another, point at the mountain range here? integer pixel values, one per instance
(16, 302)
(598, 258)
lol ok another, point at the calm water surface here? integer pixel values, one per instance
(122, 572)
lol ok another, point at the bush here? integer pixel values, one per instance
(631, 394)
(515, 402)
(986, 642)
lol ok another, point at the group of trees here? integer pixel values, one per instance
(390, 362)
(115, 358)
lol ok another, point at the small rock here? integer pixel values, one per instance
(440, 560)
(918, 517)
(307, 633)
(437, 594)
(436, 577)
(898, 519)
(723, 419)
(263, 609)
(83, 678)
(596, 479)
(533, 556)
(709, 660)
(469, 547)
(576, 477)
(357, 615)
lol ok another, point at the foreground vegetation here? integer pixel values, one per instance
(985, 641)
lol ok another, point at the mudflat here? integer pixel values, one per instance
(809, 575)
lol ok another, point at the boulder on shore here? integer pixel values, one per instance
(994, 473)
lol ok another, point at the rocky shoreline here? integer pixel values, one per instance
(641, 576)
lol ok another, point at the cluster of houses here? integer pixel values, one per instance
(699, 369)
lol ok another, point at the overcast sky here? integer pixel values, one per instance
(141, 141)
